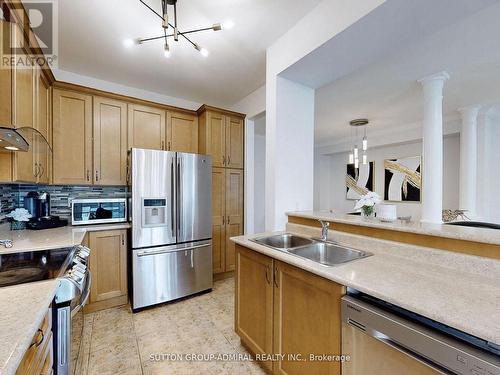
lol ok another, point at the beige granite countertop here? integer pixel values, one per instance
(484, 235)
(47, 239)
(22, 308)
(458, 290)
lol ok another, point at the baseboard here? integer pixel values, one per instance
(107, 304)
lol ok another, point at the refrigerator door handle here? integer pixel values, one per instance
(172, 196)
(179, 193)
(158, 252)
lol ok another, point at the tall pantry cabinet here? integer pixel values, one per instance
(221, 135)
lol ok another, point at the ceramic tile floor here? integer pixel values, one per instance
(118, 342)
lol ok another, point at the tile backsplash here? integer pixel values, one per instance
(12, 196)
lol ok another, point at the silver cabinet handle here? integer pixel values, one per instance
(179, 193)
(223, 159)
(35, 173)
(268, 271)
(228, 220)
(275, 277)
(168, 146)
(229, 160)
(192, 258)
(172, 198)
(42, 170)
(163, 145)
(159, 252)
(88, 175)
(97, 175)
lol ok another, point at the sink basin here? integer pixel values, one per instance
(329, 254)
(284, 241)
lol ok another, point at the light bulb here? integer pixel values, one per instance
(356, 163)
(167, 50)
(351, 158)
(204, 52)
(365, 143)
(365, 159)
(127, 43)
(227, 25)
(356, 152)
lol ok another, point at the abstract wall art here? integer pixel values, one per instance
(403, 179)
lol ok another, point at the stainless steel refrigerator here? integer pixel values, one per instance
(171, 215)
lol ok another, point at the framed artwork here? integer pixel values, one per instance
(360, 184)
(403, 179)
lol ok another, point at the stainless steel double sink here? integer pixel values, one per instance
(323, 252)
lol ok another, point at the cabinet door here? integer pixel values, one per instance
(182, 132)
(234, 142)
(306, 320)
(43, 159)
(23, 108)
(216, 130)
(146, 127)
(108, 264)
(5, 77)
(72, 138)
(110, 142)
(234, 212)
(218, 219)
(254, 301)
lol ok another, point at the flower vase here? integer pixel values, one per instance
(367, 212)
(17, 225)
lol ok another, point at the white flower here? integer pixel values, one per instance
(20, 214)
(368, 200)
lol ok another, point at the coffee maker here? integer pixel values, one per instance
(38, 205)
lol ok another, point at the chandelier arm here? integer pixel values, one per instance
(151, 9)
(197, 30)
(155, 38)
(189, 40)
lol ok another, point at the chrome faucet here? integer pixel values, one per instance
(6, 243)
(324, 230)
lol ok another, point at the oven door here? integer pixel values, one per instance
(69, 325)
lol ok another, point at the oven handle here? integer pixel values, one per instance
(85, 295)
(158, 252)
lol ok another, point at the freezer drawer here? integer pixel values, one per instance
(162, 274)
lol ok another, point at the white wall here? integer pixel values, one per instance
(259, 175)
(330, 174)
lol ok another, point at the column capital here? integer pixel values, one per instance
(469, 111)
(433, 78)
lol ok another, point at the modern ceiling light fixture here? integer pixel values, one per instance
(175, 33)
(354, 153)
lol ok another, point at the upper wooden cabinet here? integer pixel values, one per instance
(72, 138)
(110, 142)
(43, 155)
(221, 135)
(146, 127)
(182, 132)
(5, 77)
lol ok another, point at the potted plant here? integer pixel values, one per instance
(18, 217)
(367, 204)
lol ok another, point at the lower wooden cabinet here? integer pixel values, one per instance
(108, 265)
(38, 358)
(227, 216)
(283, 310)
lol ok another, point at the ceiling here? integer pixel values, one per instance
(91, 35)
(387, 92)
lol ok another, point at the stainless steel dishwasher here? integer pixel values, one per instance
(381, 338)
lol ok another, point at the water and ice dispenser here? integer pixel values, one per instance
(154, 212)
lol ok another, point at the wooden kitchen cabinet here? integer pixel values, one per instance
(227, 216)
(146, 127)
(221, 135)
(43, 155)
(234, 213)
(110, 142)
(182, 132)
(281, 309)
(5, 102)
(72, 138)
(253, 319)
(108, 266)
(307, 320)
(39, 355)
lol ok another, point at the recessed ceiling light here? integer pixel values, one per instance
(127, 43)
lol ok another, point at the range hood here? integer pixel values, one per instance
(22, 139)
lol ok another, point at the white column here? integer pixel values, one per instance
(432, 152)
(483, 164)
(468, 160)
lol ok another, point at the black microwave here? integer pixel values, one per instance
(98, 211)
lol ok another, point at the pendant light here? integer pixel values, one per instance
(354, 154)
